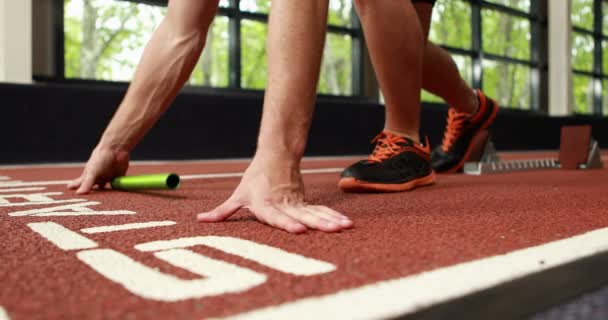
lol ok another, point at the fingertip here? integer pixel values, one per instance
(204, 217)
(347, 223)
(82, 190)
(296, 228)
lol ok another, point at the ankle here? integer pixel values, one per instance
(415, 136)
(471, 106)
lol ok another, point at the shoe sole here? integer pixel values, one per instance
(354, 185)
(485, 125)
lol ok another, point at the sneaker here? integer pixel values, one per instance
(460, 131)
(397, 164)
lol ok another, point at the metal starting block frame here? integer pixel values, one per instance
(571, 153)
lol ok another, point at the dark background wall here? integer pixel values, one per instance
(62, 122)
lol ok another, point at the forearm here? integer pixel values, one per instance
(295, 46)
(165, 66)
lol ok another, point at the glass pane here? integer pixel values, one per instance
(582, 52)
(523, 5)
(583, 94)
(582, 13)
(464, 66)
(253, 54)
(336, 68)
(260, 6)
(212, 68)
(104, 40)
(505, 35)
(451, 24)
(605, 56)
(224, 3)
(605, 98)
(605, 12)
(508, 83)
(339, 12)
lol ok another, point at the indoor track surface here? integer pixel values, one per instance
(457, 248)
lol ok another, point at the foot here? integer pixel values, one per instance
(460, 131)
(397, 164)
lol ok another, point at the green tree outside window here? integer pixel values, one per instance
(508, 83)
(582, 52)
(583, 94)
(582, 13)
(505, 35)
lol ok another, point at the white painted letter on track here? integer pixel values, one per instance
(32, 199)
(271, 257)
(76, 209)
(219, 277)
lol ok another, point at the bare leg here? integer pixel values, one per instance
(440, 73)
(166, 64)
(272, 186)
(396, 44)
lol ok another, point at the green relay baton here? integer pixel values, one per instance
(146, 182)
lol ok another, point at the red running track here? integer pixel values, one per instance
(460, 219)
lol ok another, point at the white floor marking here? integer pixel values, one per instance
(62, 237)
(76, 209)
(266, 255)
(149, 283)
(128, 226)
(21, 189)
(33, 199)
(402, 296)
(3, 314)
(240, 174)
(10, 184)
(15, 184)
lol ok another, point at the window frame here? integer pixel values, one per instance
(537, 16)
(235, 16)
(597, 75)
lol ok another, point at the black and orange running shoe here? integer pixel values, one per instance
(396, 164)
(460, 131)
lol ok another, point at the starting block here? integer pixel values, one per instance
(578, 150)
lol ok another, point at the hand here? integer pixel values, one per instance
(274, 193)
(103, 165)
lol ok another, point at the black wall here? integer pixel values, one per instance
(62, 122)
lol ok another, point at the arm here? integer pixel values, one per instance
(272, 186)
(166, 64)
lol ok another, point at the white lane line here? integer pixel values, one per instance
(406, 295)
(9, 184)
(2, 178)
(62, 237)
(266, 255)
(128, 226)
(21, 189)
(240, 174)
(3, 314)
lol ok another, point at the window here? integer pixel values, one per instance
(589, 56)
(105, 39)
(494, 38)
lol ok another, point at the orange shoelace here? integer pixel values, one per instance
(387, 145)
(456, 122)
